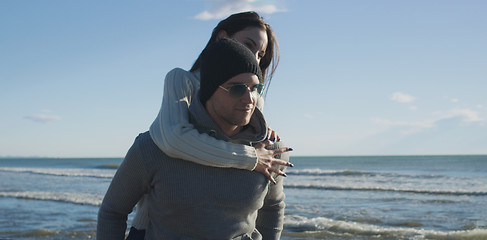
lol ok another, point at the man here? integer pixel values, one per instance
(190, 201)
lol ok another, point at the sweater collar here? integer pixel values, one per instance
(255, 131)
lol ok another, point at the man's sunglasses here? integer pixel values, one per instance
(238, 90)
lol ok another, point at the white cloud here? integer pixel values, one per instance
(224, 8)
(43, 118)
(413, 108)
(402, 97)
(407, 127)
(454, 100)
(466, 115)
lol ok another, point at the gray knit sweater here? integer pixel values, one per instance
(190, 201)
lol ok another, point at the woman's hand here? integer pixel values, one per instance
(272, 135)
(265, 159)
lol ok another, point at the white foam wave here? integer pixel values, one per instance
(321, 172)
(70, 172)
(355, 173)
(313, 226)
(76, 198)
(385, 189)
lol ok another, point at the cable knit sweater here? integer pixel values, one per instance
(174, 135)
(191, 201)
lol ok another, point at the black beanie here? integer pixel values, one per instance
(221, 61)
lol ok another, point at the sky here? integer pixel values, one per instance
(376, 77)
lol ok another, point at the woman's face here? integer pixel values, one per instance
(253, 38)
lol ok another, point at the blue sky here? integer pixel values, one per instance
(83, 78)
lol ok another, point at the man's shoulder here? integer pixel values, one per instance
(148, 151)
(143, 136)
(145, 143)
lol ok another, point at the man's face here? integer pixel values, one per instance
(230, 112)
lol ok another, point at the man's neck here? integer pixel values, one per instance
(230, 130)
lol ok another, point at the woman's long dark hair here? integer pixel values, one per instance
(238, 22)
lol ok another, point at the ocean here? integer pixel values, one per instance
(370, 197)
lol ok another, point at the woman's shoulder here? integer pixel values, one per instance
(178, 74)
(181, 73)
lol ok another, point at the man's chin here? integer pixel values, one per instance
(243, 121)
(242, 118)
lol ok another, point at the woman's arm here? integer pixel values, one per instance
(175, 136)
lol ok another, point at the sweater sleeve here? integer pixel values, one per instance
(129, 184)
(270, 218)
(175, 136)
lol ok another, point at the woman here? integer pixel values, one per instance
(176, 137)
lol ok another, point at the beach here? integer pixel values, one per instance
(357, 197)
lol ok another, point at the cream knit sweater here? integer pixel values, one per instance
(176, 137)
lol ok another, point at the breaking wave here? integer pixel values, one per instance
(324, 228)
(386, 189)
(76, 198)
(75, 172)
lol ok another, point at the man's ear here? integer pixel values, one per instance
(222, 34)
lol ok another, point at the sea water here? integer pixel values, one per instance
(373, 197)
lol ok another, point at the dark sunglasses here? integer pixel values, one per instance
(238, 90)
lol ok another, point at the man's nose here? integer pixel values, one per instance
(248, 97)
